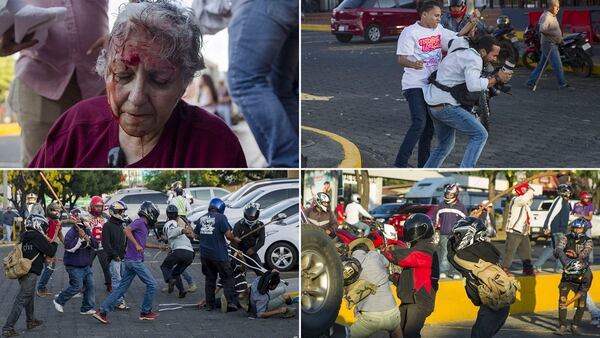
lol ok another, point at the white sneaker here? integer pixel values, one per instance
(443, 275)
(456, 277)
(88, 312)
(78, 295)
(57, 306)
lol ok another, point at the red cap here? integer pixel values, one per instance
(521, 189)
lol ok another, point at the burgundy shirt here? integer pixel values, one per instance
(191, 138)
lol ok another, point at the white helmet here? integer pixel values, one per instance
(322, 201)
(355, 198)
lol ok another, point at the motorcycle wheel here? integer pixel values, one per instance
(581, 63)
(530, 59)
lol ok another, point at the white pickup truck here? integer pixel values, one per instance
(539, 217)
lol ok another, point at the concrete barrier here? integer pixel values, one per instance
(537, 294)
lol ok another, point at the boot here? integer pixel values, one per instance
(529, 272)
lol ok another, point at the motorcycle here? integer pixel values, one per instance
(380, 236)
(575, 52)
(506, 36)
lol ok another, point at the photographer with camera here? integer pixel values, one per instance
(458, 84)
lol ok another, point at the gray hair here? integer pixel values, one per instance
(552, 3)
(174, 30)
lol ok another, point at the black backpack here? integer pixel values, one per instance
(460, 92)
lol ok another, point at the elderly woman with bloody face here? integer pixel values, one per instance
(152, 55)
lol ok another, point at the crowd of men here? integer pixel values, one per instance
(120, 244)
(463, 249)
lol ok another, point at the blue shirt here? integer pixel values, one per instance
(212, 228)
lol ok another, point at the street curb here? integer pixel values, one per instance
(10, 129)
(352, 157)
(537, 294)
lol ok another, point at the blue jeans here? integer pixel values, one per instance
(46, 274)
(263, 75)
(132, 269)
(445, 266)
(549, 252)
(420, 130)
(188, 278)
(7, 233)
(446, 122)
(551, 50)
(116, 271)
(79, 278)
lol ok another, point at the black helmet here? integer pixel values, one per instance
(468, 231)
(564, 190)
(351, 269)
(178, 191)
(150, 211)
(36, 222)
(417, 226)
(251, 213)
(503, 20)
(53, 210)
(322, 201)
(172, 212)
(453, 3)
(575, 267)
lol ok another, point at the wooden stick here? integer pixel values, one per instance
(53, 192)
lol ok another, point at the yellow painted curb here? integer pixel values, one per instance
(537, 294)
(351, 153)
(315, 28)
(10, 129)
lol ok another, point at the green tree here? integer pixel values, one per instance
(7, 74)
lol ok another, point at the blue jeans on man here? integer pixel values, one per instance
(116, 271)
(45, 276)
(263, 75)
(79, 278)
(549, 252)
(445, 266)
(446, 122)
(131, 269)
(552, 51)
(420, 130)
(7, 233)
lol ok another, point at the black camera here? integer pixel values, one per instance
(490, 70)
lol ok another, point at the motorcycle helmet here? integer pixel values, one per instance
(31, 198)
(53, 210)
(417, 226)
(36, 222)
(79, 214)
(176, 185)
(564, 190)
(579, 223)
(251, 213)
(96, 206)
(503, 20)
(585, 197)
(117, 210)
(457, 8)
(178, 191)
(322, 201)
(216, 204)
(451, 192)
(468, 231)
(355, 198)
(351, 269)
(172, 212)
(150, 211)
(575, 267)
(521, 189)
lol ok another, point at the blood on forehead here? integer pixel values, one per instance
(135, 51)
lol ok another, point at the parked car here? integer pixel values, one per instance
(383, 212)
(281, 243)
(135, 199)
(540, 213)
(397, 221)
(204, 194)
(372, 19)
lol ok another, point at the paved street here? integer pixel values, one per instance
(187, 322)
(354, 90)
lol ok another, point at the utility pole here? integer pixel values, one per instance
(187, 178)
(4, 189)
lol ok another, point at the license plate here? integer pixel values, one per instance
(586, 46)
(343, 28)
(514, 39)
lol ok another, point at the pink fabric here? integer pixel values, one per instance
(192, 138)
(48, 69)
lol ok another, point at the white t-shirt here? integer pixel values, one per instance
(352, 213)
(422, 43)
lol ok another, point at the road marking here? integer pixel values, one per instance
(351, 153)
(310, 97)
(315, 28)
(10, 129)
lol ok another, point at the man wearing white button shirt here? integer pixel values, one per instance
(353, 212)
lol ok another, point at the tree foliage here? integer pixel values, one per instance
(161, 180)
(7, 74)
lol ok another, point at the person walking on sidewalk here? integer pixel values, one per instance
(137, 235)
(54, 234)
(447, 213)
(35, 246)
(551, 38)
(556, 224)
(518, 229)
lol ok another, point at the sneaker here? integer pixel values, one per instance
(122, 306)
(9, 333)
(101, 317)
(567, 87)
(561, 331)
(171, 285)
(223, 304)
(43, 293)
(443, 275)
(575, 330)
(182, 294)
(148, 316)
(57, 306)
(456, 277)
(33, 323)
(88, 312)
(192, 288)
(529, 272)
(595, 321)
(537, 269)
(165, 289)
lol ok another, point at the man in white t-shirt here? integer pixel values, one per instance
(353, 212)
(420, 52)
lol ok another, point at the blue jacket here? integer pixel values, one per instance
(78, 253)
(9, 217)
(446, 215)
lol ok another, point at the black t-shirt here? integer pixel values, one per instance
(35, 243)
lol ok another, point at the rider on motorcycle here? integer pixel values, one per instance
(321, 215)
(353, 212)
(456, 18)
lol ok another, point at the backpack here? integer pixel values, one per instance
(15, 265)
(358, 291)
(495, 289)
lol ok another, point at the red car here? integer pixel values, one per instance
(372, 19)
(397, 221)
